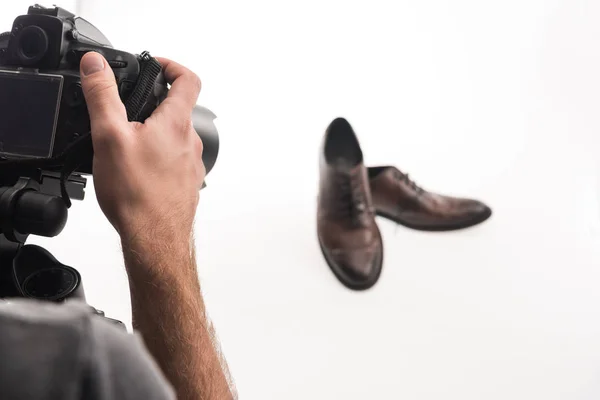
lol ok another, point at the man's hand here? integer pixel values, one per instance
(147, 176)
(147, 179)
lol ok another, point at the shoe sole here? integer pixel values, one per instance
(351, 283)
(437, 228)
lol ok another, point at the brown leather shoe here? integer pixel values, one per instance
(397, 198)
(348, 234)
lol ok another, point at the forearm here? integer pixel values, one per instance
(168, 310)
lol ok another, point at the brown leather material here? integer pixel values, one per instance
(397, 198)
(346, 228)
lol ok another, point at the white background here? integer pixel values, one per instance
(493, 100)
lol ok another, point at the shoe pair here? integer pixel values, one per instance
(351, 195)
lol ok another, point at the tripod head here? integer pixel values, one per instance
(32, 205)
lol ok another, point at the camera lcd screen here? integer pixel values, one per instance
(29, 105)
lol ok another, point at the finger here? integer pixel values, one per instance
(185, 85)
(197, 143)
(200, 174)
(101, 93)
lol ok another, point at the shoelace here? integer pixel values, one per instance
(401, 177)
(351, 201)
(405, 178)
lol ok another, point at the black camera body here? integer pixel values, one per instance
(41, 102)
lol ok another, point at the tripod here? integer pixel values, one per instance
(32, 206)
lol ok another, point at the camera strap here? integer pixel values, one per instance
(81, 149)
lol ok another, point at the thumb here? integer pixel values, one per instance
(101, 93)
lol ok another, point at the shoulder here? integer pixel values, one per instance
(64, 351)
(41, 344)
(125, 357)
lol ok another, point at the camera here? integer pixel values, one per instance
(42, 107)
(45, 139)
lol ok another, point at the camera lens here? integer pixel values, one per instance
(32, 44)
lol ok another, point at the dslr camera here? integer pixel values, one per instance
(42, 108)
(45, 140)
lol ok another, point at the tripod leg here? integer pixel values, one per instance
(8, 250)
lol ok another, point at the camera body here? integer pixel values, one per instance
(46, 46)
(42, 104)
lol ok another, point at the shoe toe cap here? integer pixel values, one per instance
(477, 209)
(359, 264)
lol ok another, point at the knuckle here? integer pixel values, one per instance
(198, 83)
(200, 173)
(198, 145)
(99, 89)
(107, 135)
(195, 82)
(172, 112)
(181, 124)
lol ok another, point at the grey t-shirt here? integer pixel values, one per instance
(63, 351)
